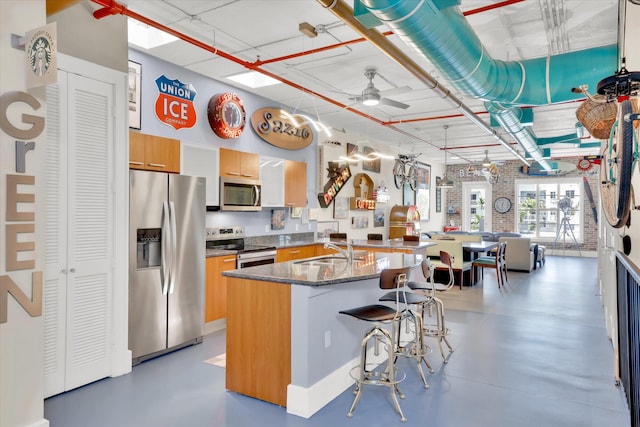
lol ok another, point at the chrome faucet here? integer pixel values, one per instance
(347, 254)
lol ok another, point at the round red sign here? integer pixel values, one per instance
(226, 115)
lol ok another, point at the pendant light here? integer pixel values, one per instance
(445, 182)
(486, 162)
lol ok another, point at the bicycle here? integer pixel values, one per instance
(405, 172)
(619, 152)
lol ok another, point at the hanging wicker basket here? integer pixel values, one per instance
(597, 117)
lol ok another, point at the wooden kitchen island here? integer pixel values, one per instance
(286, 342)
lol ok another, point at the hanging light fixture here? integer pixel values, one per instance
(445, 182)
(486, 162)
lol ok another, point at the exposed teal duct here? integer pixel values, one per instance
(438, 30)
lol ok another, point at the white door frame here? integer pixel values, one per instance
(466, 202)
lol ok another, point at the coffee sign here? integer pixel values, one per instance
(280, 130)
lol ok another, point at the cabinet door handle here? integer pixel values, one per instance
(230, 260)
(295, 252)
(233, 173)
(247, 175)
(136, 163)
(157, 165)
(73, 270)
(64, 271)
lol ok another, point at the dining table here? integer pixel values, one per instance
(474, 251)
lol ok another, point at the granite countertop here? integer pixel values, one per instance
(287, 242)
(392, 244)
(219, 252)
(310, 272)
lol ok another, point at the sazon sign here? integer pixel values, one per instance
(174, 105)
(288, 131)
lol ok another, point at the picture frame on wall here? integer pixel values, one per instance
(423, 203)
(378, 216)
(423, 190)
(408, 196)
(295, 212)
(278, 219)
(360, 221)
(370, 165)
(135, 73)
(352, 150)
(325, 228)
(341, 208)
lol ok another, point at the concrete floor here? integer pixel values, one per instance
(532, 354)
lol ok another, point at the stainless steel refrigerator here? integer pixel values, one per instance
(166, 262)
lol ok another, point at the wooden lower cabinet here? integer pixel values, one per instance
(259, 339)
(299, 252)
(216, 286)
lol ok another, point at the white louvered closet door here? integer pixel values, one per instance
(79, 235)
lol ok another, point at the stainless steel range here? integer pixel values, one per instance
(233, 239)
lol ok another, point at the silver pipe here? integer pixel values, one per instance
(340, 9)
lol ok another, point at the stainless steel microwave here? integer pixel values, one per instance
(239, 194)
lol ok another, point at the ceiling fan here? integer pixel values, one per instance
(373, 96)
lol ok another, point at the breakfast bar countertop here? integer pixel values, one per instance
(327, 269)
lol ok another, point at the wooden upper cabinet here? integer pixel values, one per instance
(295, 179)
(136, 150)
(239, 164)
(154, 153)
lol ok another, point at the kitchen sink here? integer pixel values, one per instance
(326, 260)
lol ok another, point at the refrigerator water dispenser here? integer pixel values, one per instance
(148, 248)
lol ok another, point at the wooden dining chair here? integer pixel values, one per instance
(496, 262)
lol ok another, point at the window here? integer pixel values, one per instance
(550, 210)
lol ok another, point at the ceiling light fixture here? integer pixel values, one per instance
(253, 79)
(445, 182)
(486, 162)
(370, 98)
(145, 36)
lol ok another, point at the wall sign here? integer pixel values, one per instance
(278, 129)
(226, 115)
(19, 221)
(174, 105)
(338, 176)
(41, 49)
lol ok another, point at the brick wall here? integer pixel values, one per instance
(505, 187)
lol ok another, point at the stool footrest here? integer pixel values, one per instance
(376, 377)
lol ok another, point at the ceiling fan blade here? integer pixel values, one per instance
(392, 103)
(395, 91)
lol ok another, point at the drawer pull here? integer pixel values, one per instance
(230, 260)
(136, 163)
(157, 165)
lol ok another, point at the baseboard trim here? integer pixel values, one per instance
(306, 401)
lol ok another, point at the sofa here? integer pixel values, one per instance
(519, 254)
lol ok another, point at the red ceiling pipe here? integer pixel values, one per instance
(490, 7)
(111, 7)
(426, 119)
(360, 40)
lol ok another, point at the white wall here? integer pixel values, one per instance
(22, 336)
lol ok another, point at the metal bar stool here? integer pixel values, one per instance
(392, 278)
(414, 348)
(429, 288)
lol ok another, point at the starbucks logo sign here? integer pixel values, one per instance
(40, 56)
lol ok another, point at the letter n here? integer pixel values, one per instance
(32, 306)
